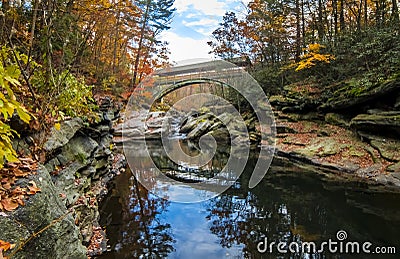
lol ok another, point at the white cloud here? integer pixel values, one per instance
(192, 15)
(199, 19)
(183, 48)
(202, 22)
(207, 7)
(205, 31)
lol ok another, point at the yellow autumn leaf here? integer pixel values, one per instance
(23, 114)
(57, 126)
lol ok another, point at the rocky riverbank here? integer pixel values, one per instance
(349, 138)
(350, 133)
(61, 221)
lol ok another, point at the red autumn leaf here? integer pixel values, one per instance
(18, 191)
(9, 204)
(26, 159)
(12, 165)
(4, 246)
(19, 173)
(33, 189)
(6, 186)
(20, 200)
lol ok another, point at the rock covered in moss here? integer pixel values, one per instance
(60, 137)
(60, 239)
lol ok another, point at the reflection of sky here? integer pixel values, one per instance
(191, 231)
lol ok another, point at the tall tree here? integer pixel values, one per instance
(395, 13)
(156, 17)
(298, 31)
(228, 40)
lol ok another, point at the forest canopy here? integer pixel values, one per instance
(56, 55)
(352, 38)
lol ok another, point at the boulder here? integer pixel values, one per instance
(388, 148)
(70, 183)
(394, 168)
(220, 134)
(322, 148)
(79, 148)
(344, 100)
(192, 121)
(43, 210)
(199, 130)
(281, 101)
(378, 122)
(337, 119)
(60, 137)
(397, 103)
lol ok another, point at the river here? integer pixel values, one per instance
(290, 207)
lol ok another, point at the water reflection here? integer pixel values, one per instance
(290, 205)
(293, 206)
(134, 223)
(183, 182)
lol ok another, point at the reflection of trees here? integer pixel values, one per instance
(139, 232)
(166, 165)
(243, 219)
(293, 207)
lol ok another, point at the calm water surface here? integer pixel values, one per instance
(290, 205)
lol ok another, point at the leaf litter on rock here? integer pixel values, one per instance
(12, 195)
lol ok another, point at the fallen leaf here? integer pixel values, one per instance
(33, 189)
(26, 159)
(4, 246)
(20, 200)
(57, 126)
(18, 191)
(6, 186)
(12, 165)
(9, 204)
(19, 173)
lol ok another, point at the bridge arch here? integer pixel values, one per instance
(189, 82)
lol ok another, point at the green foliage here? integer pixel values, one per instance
(375, 52)
(271, 78)
(65, 94)
(75, 99)
(9, 75)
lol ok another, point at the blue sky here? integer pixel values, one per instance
(192, 25)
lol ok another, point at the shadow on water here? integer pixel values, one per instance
(289, 205)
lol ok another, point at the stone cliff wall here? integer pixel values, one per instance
(59, 221)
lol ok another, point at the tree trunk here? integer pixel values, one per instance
(335, 17)
(395, 13)
(366, 14)
(3, 22)
(116, 40)
(320, 25)
(359, 16)
(342, 24)
(298, 32)
(303, 24)
(138, 54)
